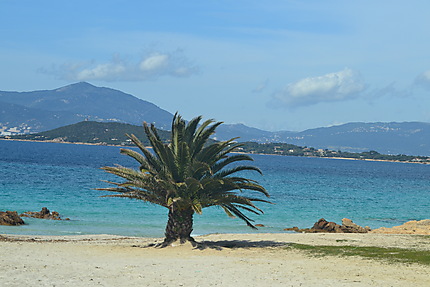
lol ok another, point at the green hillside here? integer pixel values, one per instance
(115, 134)
(94, 133)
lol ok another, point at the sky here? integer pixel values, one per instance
(273, 65)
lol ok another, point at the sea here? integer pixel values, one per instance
(64, 178)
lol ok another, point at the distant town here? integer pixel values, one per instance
(7, 130)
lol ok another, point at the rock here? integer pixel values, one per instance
(295, 228)
(323, 225)
(259, 225)
(331, 227)
(43, 214)
(10, 218)
(350, 227)
(421, 227)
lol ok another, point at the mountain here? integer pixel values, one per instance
(30, 120)
(246, 134)
(411, 138)
(76, 102)
(31, 112)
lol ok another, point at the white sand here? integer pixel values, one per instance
(255, 260)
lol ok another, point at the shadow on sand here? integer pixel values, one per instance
(234, 244)
(221, 244)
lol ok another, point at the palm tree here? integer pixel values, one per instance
(187, 175)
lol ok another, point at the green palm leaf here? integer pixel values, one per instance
(188, 174)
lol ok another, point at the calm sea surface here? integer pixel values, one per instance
(62, 177)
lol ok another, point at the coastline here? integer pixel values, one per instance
(227, 260)
(323, 157)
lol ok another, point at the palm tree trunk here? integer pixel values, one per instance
(179, 226)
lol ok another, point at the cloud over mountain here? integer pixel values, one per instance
(332, 87)
(149, 67)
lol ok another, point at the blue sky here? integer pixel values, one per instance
(274, 65)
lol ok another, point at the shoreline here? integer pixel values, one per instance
(244, 240)
(228, 260)
(125, 146)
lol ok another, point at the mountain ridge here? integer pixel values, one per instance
(37, 111)
(90, 102)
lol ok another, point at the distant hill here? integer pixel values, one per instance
(246, 134)
(411, 138)
(76, 102)
(114, 134)
(93, 132)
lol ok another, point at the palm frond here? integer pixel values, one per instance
(150, 158)
(137, 156)
(202, 135)
(178, 126)
(222, 163)
(163, 153)
(191, 129)
(232, 209)
(188, 173)
(183, 161)
(227, 172)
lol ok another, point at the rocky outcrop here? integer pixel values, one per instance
(421, 227)
(43, 214)
(350, 227)
(324, 226)
(10, 218)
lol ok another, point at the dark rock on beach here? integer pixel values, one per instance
(350, 227)
(323, 225)
(10, 218)
(43, 214)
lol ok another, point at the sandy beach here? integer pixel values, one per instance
(223, 260)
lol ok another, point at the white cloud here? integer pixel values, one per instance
(154, 62)
(103, 71)
(149, 67)
(424, 79)
(339, 86)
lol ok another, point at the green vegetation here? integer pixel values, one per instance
(387, 254)
(293, 150)
(186, 175)
(115, 134)
(93, 132)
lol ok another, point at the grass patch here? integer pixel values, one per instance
(386, 254)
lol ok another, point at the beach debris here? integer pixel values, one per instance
(324, 226)
(421, 227)
(43, 214)
(10, 218)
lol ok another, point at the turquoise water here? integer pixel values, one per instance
(62, 177)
